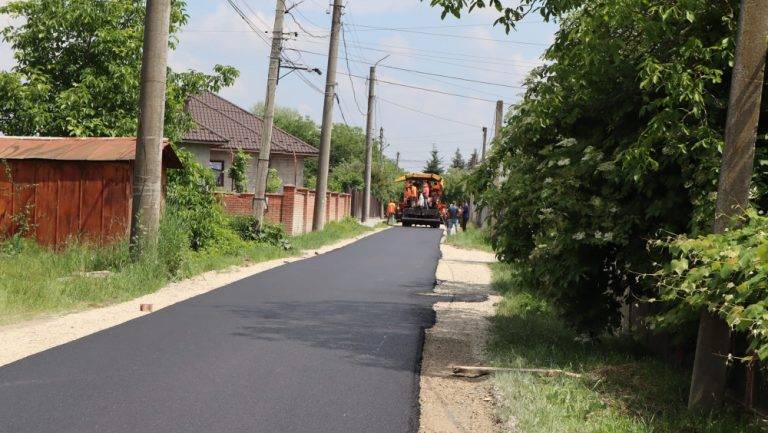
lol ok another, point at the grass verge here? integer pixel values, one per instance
(621, 389)
(36, 280)
(473, 238)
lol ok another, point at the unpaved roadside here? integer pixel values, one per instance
(450, 404)
(26, 338)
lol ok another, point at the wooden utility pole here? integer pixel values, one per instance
(147, 168)
(318, 217)
(485, 140)
(713, 342)
(369, 146)
(262, 165)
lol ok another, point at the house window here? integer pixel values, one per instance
(218, 171)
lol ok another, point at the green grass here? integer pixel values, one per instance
(36, 280)
(621, 388)
(473, 238)
(332, 232)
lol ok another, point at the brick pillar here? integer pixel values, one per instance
(289, 192)
(306, 210)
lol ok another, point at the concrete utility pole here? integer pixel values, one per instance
(497, 122)
(147, 169)
(485, 140)
(369, 146)
(262, 165)
(713, 343)
(318, 217)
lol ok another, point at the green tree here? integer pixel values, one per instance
(434, 164)
(458, 160)
(238, 172)
(616, 140)
(474, 159)
(77, 69)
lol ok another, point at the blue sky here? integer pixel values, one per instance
(217, 35)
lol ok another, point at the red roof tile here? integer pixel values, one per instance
(225, 124)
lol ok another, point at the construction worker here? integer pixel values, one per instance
(391, 210)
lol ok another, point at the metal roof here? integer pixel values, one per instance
(419, 176)
(79, 149)
(223, 124)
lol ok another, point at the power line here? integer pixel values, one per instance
(451, 77)
(424, 89)
(420, 72)
(425, 113)
(349, 70)
(447, 35)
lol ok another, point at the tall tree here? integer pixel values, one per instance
(458, 160)
(434, 164)
(77, 69)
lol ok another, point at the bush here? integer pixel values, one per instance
(173, 244)
(238, 171)
(726, 273)
(274, 183)
(191, 198)
(268, 233)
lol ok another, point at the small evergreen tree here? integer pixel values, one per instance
(435, 164)
(474, 159)
(458, 160)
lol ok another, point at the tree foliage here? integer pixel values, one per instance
(616, 141)
(434, 164)
(77, 69)
(238, 172)
(458, 160)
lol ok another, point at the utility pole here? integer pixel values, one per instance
(485, 140)
(262, 165)
(318, 217)
(397, 160)
(713, 342)
(497, 121)
(147, 168)
(369, 146)
(381, 164)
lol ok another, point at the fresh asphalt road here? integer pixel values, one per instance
(328, 344)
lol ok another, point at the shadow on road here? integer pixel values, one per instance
(376, 334)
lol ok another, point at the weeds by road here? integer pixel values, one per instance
(473, 238)
(621, 389)
(35, 280)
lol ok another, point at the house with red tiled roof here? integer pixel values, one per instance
(221, 128)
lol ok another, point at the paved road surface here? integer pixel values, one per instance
(329, 344)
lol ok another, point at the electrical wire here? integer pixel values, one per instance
(424, 89)
(447, 35)
(349, 70)
(424, 113)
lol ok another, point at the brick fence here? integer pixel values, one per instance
(293, 208)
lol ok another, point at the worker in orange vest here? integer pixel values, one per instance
(391, 210)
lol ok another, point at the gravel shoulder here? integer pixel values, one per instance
(26, 338)
(450, 404)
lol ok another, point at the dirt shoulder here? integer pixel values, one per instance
(23, 339)
(450, 404)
